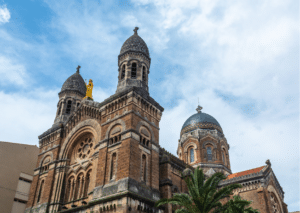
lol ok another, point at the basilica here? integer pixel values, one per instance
(105, 156)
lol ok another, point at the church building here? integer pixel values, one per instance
(105, 156)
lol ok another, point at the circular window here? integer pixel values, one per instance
(84, 148)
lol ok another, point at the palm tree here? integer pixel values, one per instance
(203, 196)
(235, 205)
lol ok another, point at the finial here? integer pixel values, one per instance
(77, 71)
(135, 30)
(268, 162)
(199, 108)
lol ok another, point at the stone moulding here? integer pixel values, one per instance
(126, 185)
(214, 165)
(41, 208)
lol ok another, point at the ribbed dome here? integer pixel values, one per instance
(135, 44)
(74, 83)
(200, 120)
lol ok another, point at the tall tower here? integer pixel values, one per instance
(203, 144)
(130, 134)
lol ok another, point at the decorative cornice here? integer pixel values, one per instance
(165, 181)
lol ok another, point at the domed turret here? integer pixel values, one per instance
(200, 120)
(70, 96)
(74, 83)
(134, 64)
(135, 44)
(202, 143)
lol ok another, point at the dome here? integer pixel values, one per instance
(74, 83)
(135, 44)
(200, 120)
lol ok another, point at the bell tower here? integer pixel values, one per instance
(134, 63)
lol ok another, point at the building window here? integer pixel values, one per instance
(40, 191)
(144, 74)
(123, 72)
(144, 170)
(68, 191)
(223, 156)
(209, 153)
(87, 183)
(192, 155)
(133, 70)
(77, 185)
(113, 166)
(69, 105)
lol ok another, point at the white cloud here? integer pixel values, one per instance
(27, 114)
(12, 73)
(4, 14)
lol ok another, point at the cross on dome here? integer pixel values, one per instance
(135, 30)
(77, 71)
(199, 108)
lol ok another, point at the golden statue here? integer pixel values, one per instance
(89, 90)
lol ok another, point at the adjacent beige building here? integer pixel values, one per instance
(17, 162)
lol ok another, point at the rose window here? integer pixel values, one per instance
(274, 204)
(85, 148)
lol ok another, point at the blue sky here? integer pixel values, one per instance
(240, 58)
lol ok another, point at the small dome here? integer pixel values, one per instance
(74, 83)
(200, 120)
(135, 44)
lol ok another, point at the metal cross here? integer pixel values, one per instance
(78, 68)
(135, 30)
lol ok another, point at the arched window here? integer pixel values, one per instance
(209, 153)
(40, 191)
(144, 73)
(87, 183)
(144, 171)
(133, 70)
(223, 156)
(192, 155)
(69, 105)
(123, 72)
(68, 191)
(81, 187)
(77, 185)
(113, 166)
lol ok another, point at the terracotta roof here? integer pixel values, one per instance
(243, 173)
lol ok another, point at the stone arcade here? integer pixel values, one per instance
(106, 157)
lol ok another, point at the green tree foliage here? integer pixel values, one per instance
(205, 195)
(238, 205)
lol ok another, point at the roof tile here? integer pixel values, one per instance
(243, 173)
